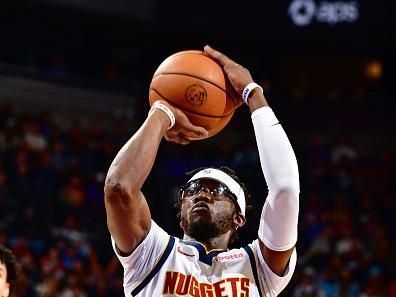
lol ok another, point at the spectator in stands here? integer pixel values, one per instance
(9, 270)
(308, 286)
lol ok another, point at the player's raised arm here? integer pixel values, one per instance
(128, 215)
(278, 224)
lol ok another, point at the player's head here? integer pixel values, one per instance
(8, 271)
(212, 203)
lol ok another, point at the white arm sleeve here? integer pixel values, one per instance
(278, 222)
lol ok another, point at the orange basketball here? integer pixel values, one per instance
(196, 84)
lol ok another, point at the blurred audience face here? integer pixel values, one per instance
(4, 285)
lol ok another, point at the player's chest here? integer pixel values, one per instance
(190, 272)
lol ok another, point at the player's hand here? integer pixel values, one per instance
(238, 75)
(183, 131)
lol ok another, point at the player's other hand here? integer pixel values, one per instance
(183, 131)
(238, 75)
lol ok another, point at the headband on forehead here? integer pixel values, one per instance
(224, 178)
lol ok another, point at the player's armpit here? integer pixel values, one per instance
(276, 261)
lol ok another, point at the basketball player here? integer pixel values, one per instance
(212, 207)
(8, 271)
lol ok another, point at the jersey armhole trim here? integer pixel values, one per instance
(254, 267)
(157, 267)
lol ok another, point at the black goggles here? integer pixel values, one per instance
(217, 190)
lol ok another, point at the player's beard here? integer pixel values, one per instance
(204, 228)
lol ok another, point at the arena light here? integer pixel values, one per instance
(374, 70)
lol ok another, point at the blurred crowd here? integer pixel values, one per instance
(347, 220)
(51, 206)
(52, 212)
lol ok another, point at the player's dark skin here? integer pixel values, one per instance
(202, 216)
(128, 215)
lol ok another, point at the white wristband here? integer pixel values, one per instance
(248, 89)
(166, 110)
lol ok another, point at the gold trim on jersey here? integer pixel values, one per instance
(155, 264)
(206, 251)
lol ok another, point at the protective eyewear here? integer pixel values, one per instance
(217, 190)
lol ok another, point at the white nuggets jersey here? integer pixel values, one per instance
(164, 265)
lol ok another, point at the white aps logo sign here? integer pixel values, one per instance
(304, 12)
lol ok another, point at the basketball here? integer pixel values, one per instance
(196, 84)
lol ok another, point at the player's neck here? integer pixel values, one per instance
(216, 243)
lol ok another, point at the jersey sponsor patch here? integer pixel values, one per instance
(229, 257)
(179, 284)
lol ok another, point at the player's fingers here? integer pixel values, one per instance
(170, 135)
(198, 131)
(181, 140)
(177, 138)
(219, 57)
(173, 132)
(167, 138)
(184, 142)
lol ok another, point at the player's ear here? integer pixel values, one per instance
(239, 220)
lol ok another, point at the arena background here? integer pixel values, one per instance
(74, 79)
